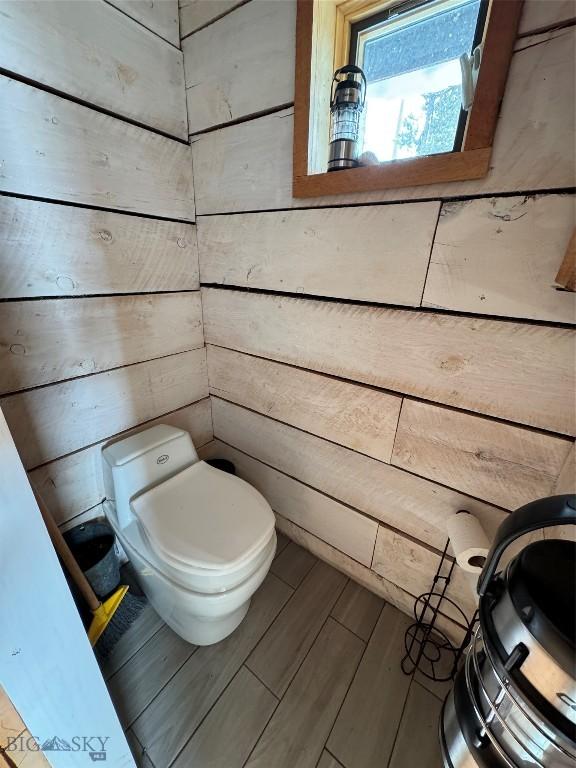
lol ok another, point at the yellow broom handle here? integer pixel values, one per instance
(67, 557)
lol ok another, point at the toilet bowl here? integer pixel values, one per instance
(201, 541)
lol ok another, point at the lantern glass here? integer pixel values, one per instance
(345, 123)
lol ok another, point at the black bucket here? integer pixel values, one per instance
(92, 545)
(222, 464)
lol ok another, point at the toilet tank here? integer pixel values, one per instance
(143, 460)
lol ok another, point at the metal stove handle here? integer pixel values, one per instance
(554, 510)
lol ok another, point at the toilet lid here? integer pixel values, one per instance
(205, 518)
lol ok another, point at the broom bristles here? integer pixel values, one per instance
(124, 616)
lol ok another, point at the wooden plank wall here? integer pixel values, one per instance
(93, 52)
(196, 14)
(378, 361)
(101, 329)
(13, 734)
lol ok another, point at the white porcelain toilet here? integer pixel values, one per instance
(201, 541)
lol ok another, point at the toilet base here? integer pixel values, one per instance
(203, 630)
(200, 618)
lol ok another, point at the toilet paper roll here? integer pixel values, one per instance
(469, 542)
(472, 581)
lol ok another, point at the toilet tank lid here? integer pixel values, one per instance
(205, 518)
(132, 447)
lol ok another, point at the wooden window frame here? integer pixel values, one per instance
(322, 39)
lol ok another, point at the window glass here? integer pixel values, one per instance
(411, 59)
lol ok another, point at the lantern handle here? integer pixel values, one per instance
(349, 69)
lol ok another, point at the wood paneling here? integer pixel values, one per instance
(545, 14)
(11, 723)
(500, 31)
(278, 655)
(392, 593)
(296, 734)
(336, 523)
(319, 252)
(170, 720)
(52, 421)
(397, 175)
(233, 726)
(55, 149)
(195, 14)
(22, 757)
(310, 532)
(134, 686)
(358, 610)
(160, 16)
(500, 256)
(421, 716)
(417, 506)
(281, 540)
(355, 416)
(376, 698)
(566, 276)
(139, 632)
(328, 761)
(519, 372)
(92, 52)
(248, 167)
(245, 167)
(73, 484)
(324, 57)
(566, 482)
(293, 565)
(254, 69)
(503, 464)
(412, 566)
(54, 339)
(141, 758)
(440, 688)
(59, 250)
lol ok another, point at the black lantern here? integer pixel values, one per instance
(348, 96)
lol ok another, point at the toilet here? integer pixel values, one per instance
(200, 540)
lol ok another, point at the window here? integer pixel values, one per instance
(410, 54)
(423, 59)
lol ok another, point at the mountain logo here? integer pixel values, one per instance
(56, 744)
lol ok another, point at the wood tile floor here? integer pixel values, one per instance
(310, 679)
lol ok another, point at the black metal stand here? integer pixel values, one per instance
(428, 649)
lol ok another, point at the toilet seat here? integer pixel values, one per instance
(204, 521)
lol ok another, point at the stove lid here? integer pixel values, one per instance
(542, 580)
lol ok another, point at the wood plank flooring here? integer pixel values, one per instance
(293, 564)
(310, 679)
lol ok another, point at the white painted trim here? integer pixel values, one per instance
(47, 666)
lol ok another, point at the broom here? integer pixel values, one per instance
(111, 618)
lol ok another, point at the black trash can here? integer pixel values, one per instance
(92, 545)
(222, 464)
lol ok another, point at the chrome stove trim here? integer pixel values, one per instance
(482, 720)
(523, 708)
(455, 751)
(493, 707)
(539, 668)
(518, 710)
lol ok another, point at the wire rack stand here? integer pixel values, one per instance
(428, 648)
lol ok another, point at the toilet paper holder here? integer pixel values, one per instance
(428, 649)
